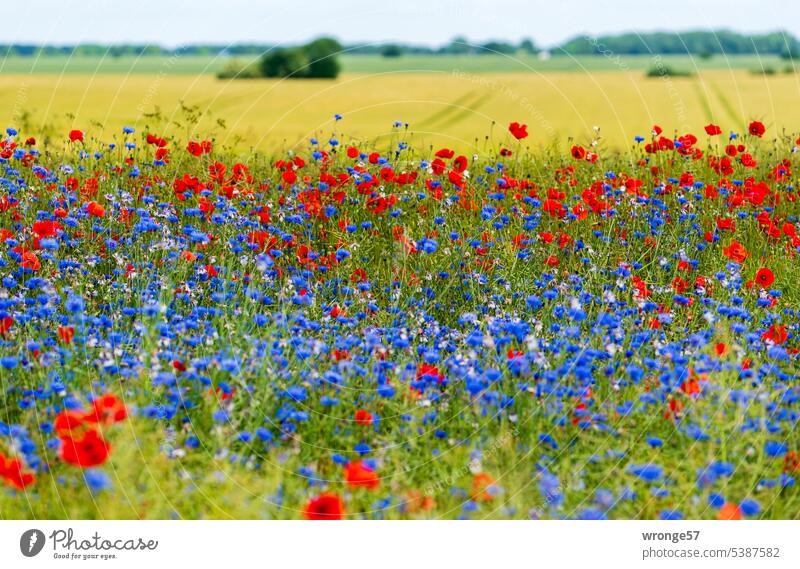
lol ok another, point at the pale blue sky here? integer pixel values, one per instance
(431, 22)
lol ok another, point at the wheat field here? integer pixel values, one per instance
(454, 108)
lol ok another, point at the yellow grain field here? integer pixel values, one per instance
(449, 108)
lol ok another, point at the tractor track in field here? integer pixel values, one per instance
(702, 97)
(457, 110)
(448, 109)
(726, 104)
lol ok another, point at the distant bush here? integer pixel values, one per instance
(314, 60)
(667, 71)
(284, 62)
(391, 50)
(764, 71)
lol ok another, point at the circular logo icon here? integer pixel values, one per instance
(31, 542)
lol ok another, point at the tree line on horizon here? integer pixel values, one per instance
(700, 43)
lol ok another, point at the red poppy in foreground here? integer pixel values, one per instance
(730, 512)
(358, 474)
(66, 334)
(776, 334)
(482, 483)
(713, 130)
(91, 450)
(107, 409)
(764, 277)
(196, 148)
(736, 252)
(326, 506)
(519, 131)
(11, 472)
(96, 209)
(363, 417)
(76, 136)
(756, 128)
(578, 152)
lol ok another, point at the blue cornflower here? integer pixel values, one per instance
(97, 480)
(648, 472)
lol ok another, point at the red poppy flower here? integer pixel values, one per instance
(554, 208)
(216, 171)
(736, 252)
(519, 131)
(748, 160)
(427, 370)
(358, 276)
(156, 140)
(730, 512)
(29, 261)
(326, 506)
(578, 152)
(481, 486)
(47, 228)
(90, 450)
(756, 128)
(11, 472)
(5, 325)
(289, 177)
(776, 334)
(356, 474)
(107, 409)
(66, 334)
(691, 387)
(552, 261)
(438, 166)
(76, 136)
(194, 148)
(69, 424)
(764, 277)
(460, 164)
(712, 130)
(96, 209)
(363, 417)
(726, 223)
(455, 178)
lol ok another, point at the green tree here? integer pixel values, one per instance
(321, 56)
(497, 47)
(391, 50)
(527, 46)
(458, 46)
(288, 62)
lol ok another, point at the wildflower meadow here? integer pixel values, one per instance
(384, 330)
